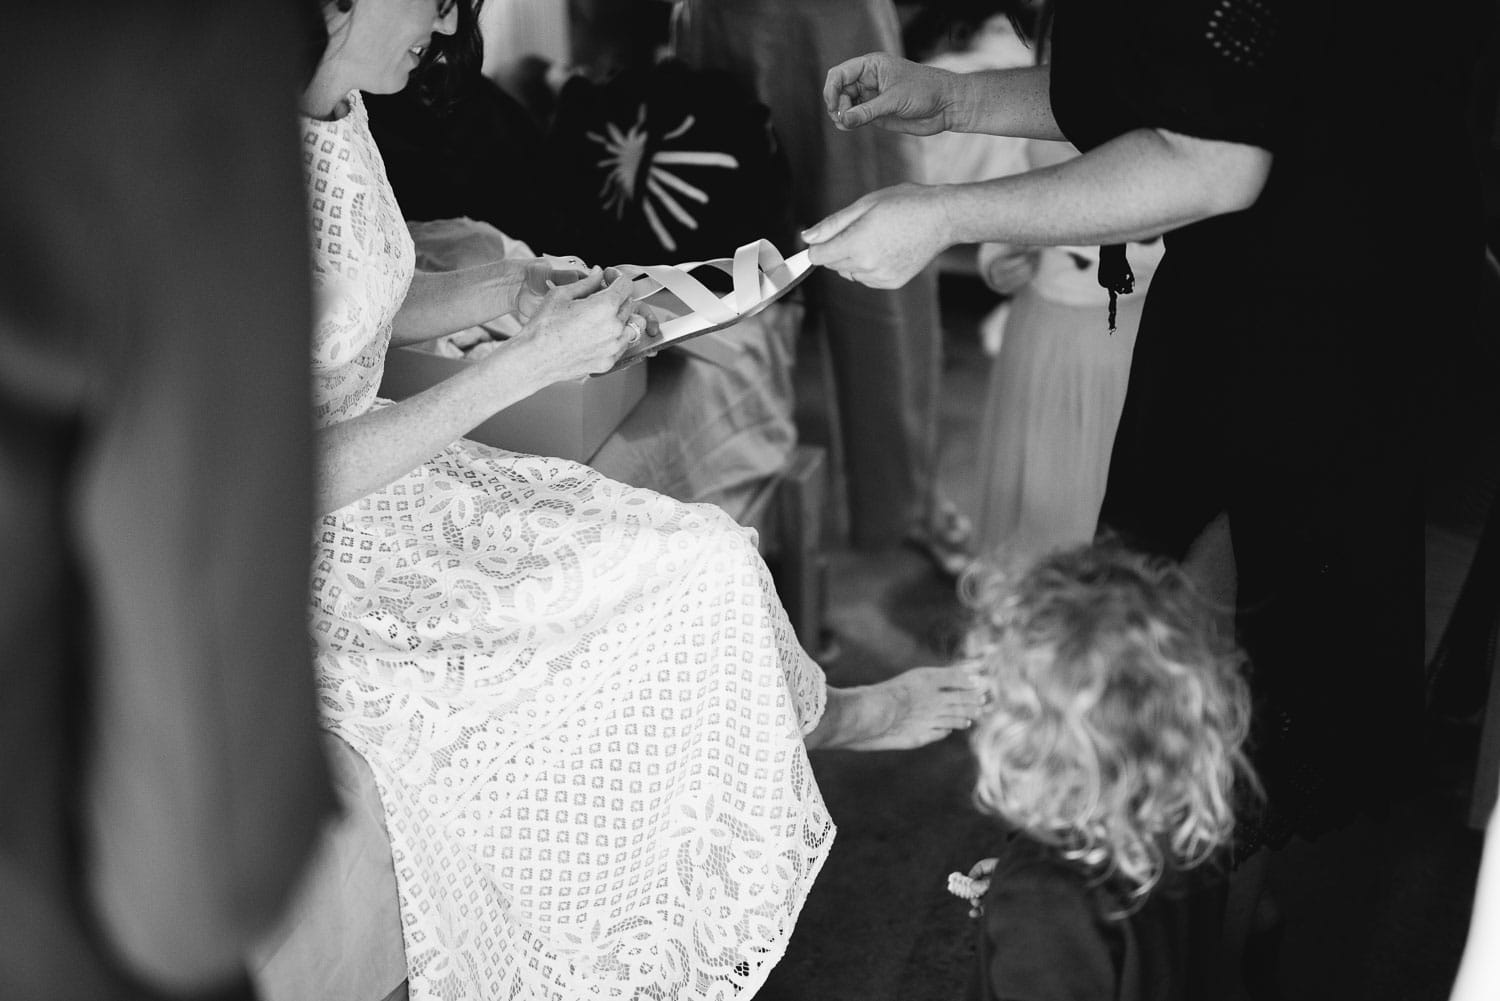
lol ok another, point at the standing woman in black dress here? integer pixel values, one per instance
(1321, 261)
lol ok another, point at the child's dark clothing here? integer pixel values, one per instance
(1046, 935)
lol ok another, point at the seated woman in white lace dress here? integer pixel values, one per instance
(582, 703)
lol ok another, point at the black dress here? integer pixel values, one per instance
(1048, 934)
(1287, 352)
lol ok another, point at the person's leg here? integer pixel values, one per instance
(1251, 925)
(1166, 470)
(885, 348)
(1331, 617)
(885, 345)
(1327, 525)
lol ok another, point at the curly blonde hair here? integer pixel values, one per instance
(1118, 716)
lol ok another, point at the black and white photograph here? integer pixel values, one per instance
(713, 500)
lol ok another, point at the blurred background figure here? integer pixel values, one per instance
(159, 760)
(1057, 381)
(885, 346)
(1056, 387)
(966, 36)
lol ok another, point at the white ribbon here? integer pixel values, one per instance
(760, 274)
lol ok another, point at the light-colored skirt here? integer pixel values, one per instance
(1051, 410)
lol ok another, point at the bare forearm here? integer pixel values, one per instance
(440, 303)
(367, 452)
(1013, 102)
(1135, 186)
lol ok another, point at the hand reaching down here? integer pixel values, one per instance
(885, 238)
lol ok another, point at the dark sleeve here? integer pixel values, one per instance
(1213, 69)
(1045, 940)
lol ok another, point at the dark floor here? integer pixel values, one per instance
(1378, 913)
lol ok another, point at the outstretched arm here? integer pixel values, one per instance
(902, 96)
(1137, 185)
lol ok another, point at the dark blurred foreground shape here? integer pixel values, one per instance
(160, 772)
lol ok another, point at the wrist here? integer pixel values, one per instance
(513, 371)
(961, 101)
(952, 226)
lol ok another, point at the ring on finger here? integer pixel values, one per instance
(636, 325)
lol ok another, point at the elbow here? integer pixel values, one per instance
(1229, 176)
(1236, 175)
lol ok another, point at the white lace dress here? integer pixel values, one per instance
(581, 701)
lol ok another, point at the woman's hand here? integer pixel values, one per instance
(885, 238)
(442, 302)
(540, 278)
(583, 327)
(894, 94)
(1006, 268)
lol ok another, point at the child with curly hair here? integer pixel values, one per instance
(1110, 752)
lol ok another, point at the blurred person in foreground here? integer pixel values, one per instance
(160, 768)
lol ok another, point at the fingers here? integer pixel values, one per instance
(616, 290)
(845, 75)
(835, 224)
(863, 114)
(567, 263)
(840, 255)
(653, 326)
(547, 273)
(586, 285)
(637, 323)
(635, 326)
(537, 274)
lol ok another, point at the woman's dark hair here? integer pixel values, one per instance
(447, 60)
(451, 58)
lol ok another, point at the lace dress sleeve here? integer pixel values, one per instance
(342, 321)
(362, 262)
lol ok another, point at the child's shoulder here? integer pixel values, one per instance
(1029, 864)
(1045, 934)
(1022, 862)
(1034, 878)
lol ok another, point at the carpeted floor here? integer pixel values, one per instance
(1376, 913)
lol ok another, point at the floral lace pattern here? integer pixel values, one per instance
(363, 261)
(582, 702)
